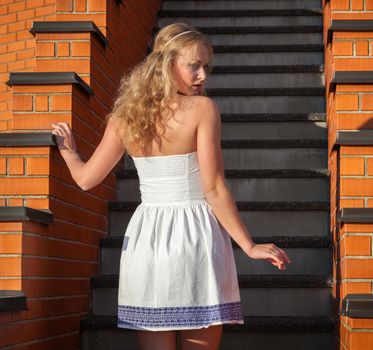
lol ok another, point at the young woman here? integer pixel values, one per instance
(177, 269)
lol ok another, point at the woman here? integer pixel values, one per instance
(177, 269)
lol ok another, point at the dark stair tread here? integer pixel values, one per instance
(281, 91)
(252, 324)
(240, 13)
(257, 29)
(272, 117)
(269, 48)
(280, 241)
(249, 173)
(266, 47)
(310, 68)
(280, 143)
(243, 205)
(245, 281)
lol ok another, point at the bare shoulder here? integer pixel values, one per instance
(205, 108)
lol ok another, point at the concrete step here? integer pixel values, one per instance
(262, 295)
(274, 130)
(262, 103)
(241, 18)
(261, 333)
(309, 255)
(265, 55)
(261, 218)
(257, 188)
(273, 117)
(269, 154)
(246, 77)
(286, 35)
(240, 5)
(259, 36)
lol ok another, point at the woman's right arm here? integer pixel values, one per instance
(217, 193)
(107, 154)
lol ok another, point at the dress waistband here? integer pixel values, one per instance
(194, 201)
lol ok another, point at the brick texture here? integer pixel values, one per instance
(350, 108)
(41, 259)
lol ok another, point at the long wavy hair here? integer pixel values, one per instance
(147, 91)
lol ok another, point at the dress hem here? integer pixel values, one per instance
(128, 326)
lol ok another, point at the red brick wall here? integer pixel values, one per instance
(350, 108)
(52, 264)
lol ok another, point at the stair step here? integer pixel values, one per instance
(233, 81)
(269, 154)
(249, 173)
(244, 205)
(241, 13)
(273, 117)
(300, 91)
(288, 219)
(280, 241)
(264, 295)
(310, 68)
(258, 55)
(309, 255)
(261, 332)
(256, 101)
(239, 5)
(282, 143)
(240, 18)
(293, 130)
(255, 29)
(268, 48)
(246, 281)
(255, 189)
(252, 323)
(267, 36)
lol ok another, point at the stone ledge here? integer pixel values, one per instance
(351, 77)
(356, 215)
(19, 213)
(48, 78)
(350, 25)
(12, 300)
(27, 139)
(357, 306)
(354, 138)
(68, 27)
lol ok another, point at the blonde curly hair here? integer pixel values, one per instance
(146, 93)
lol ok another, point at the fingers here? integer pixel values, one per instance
(64, 127)
(279, 256)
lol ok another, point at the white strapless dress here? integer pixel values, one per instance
(177, 268)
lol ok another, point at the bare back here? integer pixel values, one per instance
(180, 136)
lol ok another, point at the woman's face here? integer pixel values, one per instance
(190, 69)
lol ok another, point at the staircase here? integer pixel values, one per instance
(269, 83)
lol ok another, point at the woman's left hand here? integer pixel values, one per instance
(271, 253)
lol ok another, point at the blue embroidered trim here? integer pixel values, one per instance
(178, 316)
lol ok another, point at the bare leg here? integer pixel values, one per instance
(201, 339)
(161, 340)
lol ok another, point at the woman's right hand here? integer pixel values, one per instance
(64, 137)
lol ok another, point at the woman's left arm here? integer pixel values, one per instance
(107, 154)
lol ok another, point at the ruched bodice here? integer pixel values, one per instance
(166, 179)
